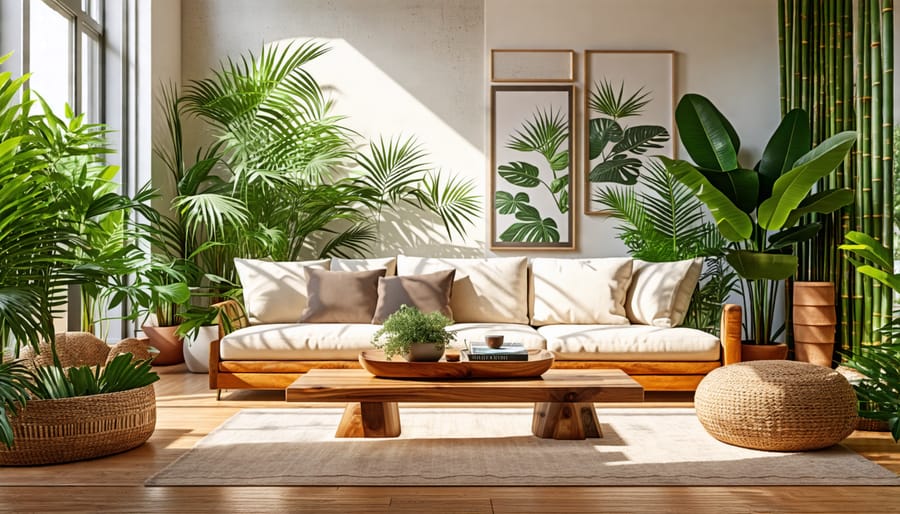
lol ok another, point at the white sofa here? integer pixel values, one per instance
(591, 313)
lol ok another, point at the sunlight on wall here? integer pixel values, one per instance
(377, 106)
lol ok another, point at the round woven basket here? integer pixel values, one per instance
(776, 405)
(83, 427)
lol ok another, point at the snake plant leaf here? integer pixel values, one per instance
(791, 140)
(520, 174)
(733, 223)
(640, 138)
(762, 266)
(869, 248)
(706, 134)
(823, 202)
(620, 169)
(740, 186)
(602, 132)
(793, 235)
(506, 203)
(792, 187)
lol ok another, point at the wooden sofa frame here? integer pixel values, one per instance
(653, 376)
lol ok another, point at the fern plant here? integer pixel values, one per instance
(663, 222)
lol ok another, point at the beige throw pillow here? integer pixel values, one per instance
(484, 290)
(274, 292)
(341, 296)
(660, 292)
(580, 291)
(428, 293)
(388, 263)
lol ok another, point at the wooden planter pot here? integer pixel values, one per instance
(814, 322)
(84, 427)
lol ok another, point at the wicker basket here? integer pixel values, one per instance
(83, 427)
(776, 405)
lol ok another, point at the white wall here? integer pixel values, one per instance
(726, 51)
(396, 67)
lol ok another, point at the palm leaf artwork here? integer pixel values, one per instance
(547, 134)
(615, 151)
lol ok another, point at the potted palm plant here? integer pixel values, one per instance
(760, 211)
(161, 289)
(418, 337)
(39, 257)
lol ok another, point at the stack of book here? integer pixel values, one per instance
(507, 352)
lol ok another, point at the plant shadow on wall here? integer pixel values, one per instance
(543, 134)
(760, 211)
(284, 178)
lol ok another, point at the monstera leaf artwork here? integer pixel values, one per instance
(532, 198)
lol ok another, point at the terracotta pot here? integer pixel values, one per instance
(814, 322)
(424, 352)
(763, 352)
(170, 346)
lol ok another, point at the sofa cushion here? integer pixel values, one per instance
(388, 263)
(580, 291)
(428, 293)
(513, 332)
(660, 292)
(298, 341)
(630, 343)
(484, 290)
(274, 292)
(341, 296)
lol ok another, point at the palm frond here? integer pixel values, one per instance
(605, 100)
(543, 133)
(453, 199)
(392, 169)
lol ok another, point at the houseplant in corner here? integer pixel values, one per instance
(418, 337)
(760, 211)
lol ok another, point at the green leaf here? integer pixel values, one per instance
(543, 133)
(520, 174)
(733, 223)
(506, 203)
(888, 279)
(604, 99)
(823, 202)
(602, 132)
(793, 235)
(762, 266)
(790, 141)
(539, 231)
(740, 186)
(562, 202)
(558, 184)
(869, 248)
(620, 169)
(793, 186)
(706, 134)
(560, 161)
(641, 138)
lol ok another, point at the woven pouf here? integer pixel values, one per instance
(776, 405)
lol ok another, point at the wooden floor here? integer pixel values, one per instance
(188, 411)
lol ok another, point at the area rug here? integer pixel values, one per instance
(495, 447)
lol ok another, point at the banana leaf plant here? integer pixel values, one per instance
(760, 211)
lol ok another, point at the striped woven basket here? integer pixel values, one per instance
(83, 427)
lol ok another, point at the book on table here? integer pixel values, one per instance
(507, 352)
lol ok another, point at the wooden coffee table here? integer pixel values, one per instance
(563, 399)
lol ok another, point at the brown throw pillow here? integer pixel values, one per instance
(428, 293)
(341, 296)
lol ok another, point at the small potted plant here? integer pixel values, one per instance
(416, 336)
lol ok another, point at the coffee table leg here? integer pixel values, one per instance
(563, 420)
(370, 419)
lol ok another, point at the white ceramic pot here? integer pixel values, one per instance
(424, 352)
(196, 349)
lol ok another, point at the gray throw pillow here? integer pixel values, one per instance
(428, 293)
(341, 296)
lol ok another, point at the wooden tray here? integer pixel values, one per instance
(375, 363)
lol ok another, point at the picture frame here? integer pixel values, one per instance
(532, 168)
(529, 66)
(619, 140)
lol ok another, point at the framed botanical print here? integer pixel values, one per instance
(532, 191)
(509, 65)
(629, 104)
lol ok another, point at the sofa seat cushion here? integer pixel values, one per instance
(513, 332)
(630, 343)
(298, 341)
